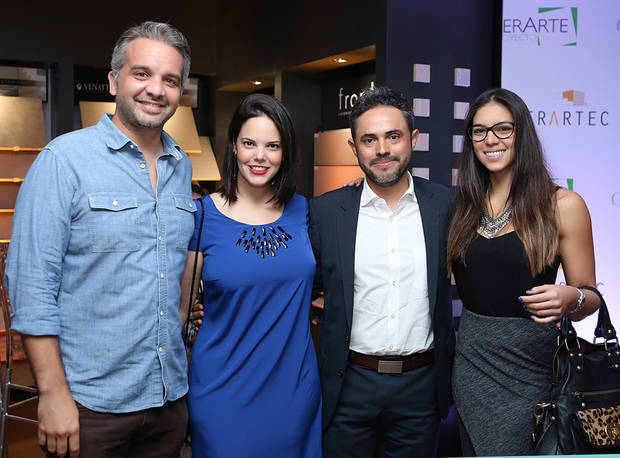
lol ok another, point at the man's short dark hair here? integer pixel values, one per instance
(380, 96)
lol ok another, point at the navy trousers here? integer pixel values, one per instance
(384, 415)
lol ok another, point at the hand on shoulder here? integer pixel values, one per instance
(357, 182)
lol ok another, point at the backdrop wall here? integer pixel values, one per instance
(563, 59)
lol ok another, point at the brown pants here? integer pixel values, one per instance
(152, 433)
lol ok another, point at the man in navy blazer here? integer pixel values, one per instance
(387, 340)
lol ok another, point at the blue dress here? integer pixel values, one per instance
(253, 382)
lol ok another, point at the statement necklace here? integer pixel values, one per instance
(251, 242)
(490, 226)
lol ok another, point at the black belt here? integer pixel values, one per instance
(393, 366)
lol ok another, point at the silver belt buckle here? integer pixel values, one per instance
(390, 367)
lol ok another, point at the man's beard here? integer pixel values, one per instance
(128, 115)
(386, 179)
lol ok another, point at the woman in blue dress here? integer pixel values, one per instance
(253, 381)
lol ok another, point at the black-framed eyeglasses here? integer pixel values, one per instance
(502, 130)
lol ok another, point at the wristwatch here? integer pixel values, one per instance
(579, 305)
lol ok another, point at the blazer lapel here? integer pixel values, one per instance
(347, 228)
(430, 221)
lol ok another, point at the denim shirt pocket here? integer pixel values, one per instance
(185, 209)
(113, 224)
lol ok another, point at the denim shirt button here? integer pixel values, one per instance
(142, 165)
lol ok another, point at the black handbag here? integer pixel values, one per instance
(583, 415)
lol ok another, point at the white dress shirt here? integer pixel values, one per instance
(391, 313)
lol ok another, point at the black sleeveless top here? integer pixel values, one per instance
(497, 273)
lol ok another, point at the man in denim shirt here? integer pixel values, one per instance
(100, 236)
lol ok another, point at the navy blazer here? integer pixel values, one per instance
(333, 226)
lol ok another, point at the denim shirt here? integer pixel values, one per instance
(96, 259)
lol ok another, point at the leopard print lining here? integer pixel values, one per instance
(602, 426)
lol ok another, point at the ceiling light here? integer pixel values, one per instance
(340, 60)
(257, 83)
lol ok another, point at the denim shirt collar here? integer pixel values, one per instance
(116, 140)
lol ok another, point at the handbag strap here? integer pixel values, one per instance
(604, 329)
(191, 291)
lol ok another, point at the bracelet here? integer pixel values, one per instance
(580, 301)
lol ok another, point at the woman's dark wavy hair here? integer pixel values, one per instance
(250, 107)
(531, 192)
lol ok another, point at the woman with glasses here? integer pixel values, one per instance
(511, 230)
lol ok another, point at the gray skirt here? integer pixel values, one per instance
(502, 368)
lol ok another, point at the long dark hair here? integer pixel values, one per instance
(531, 191)
(250, 107)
